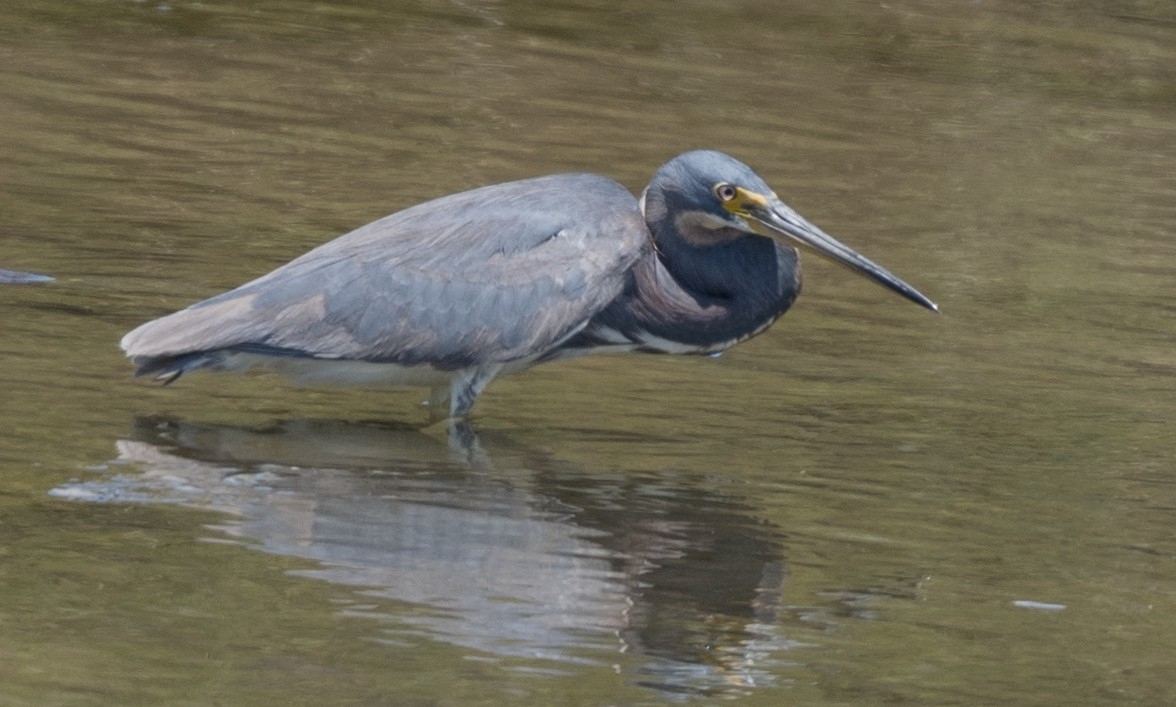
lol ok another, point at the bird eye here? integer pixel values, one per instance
(725, 191)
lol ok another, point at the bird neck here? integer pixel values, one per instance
(711, 294)
(714, 265)
(706, 271)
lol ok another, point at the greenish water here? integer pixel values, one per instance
(867, 504)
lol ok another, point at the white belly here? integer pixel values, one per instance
(319, 371)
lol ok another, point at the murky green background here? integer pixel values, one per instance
(867, 504)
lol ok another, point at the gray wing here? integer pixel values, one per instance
(489, 275)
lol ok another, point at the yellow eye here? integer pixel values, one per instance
(725, 192)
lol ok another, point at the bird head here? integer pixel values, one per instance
(707, 197)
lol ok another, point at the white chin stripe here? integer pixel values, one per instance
(649, 342)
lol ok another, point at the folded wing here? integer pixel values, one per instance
(486, 276)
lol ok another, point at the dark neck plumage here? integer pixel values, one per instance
(725, 289)
(701, 295)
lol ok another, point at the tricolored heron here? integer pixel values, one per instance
(458, 291)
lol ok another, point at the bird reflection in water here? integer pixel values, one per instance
(525, 559)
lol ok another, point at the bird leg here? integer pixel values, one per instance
(453, 402)
(464, 446)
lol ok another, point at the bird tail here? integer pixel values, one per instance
(168, 369)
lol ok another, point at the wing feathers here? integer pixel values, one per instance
(491, 275)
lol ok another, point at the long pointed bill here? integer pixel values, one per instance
(780, 220)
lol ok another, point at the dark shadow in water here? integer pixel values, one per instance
(505, 552)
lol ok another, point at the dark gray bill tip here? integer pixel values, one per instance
(781, 219)
(14, 277)
(919, 298)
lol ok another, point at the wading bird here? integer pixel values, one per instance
(458, 291)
